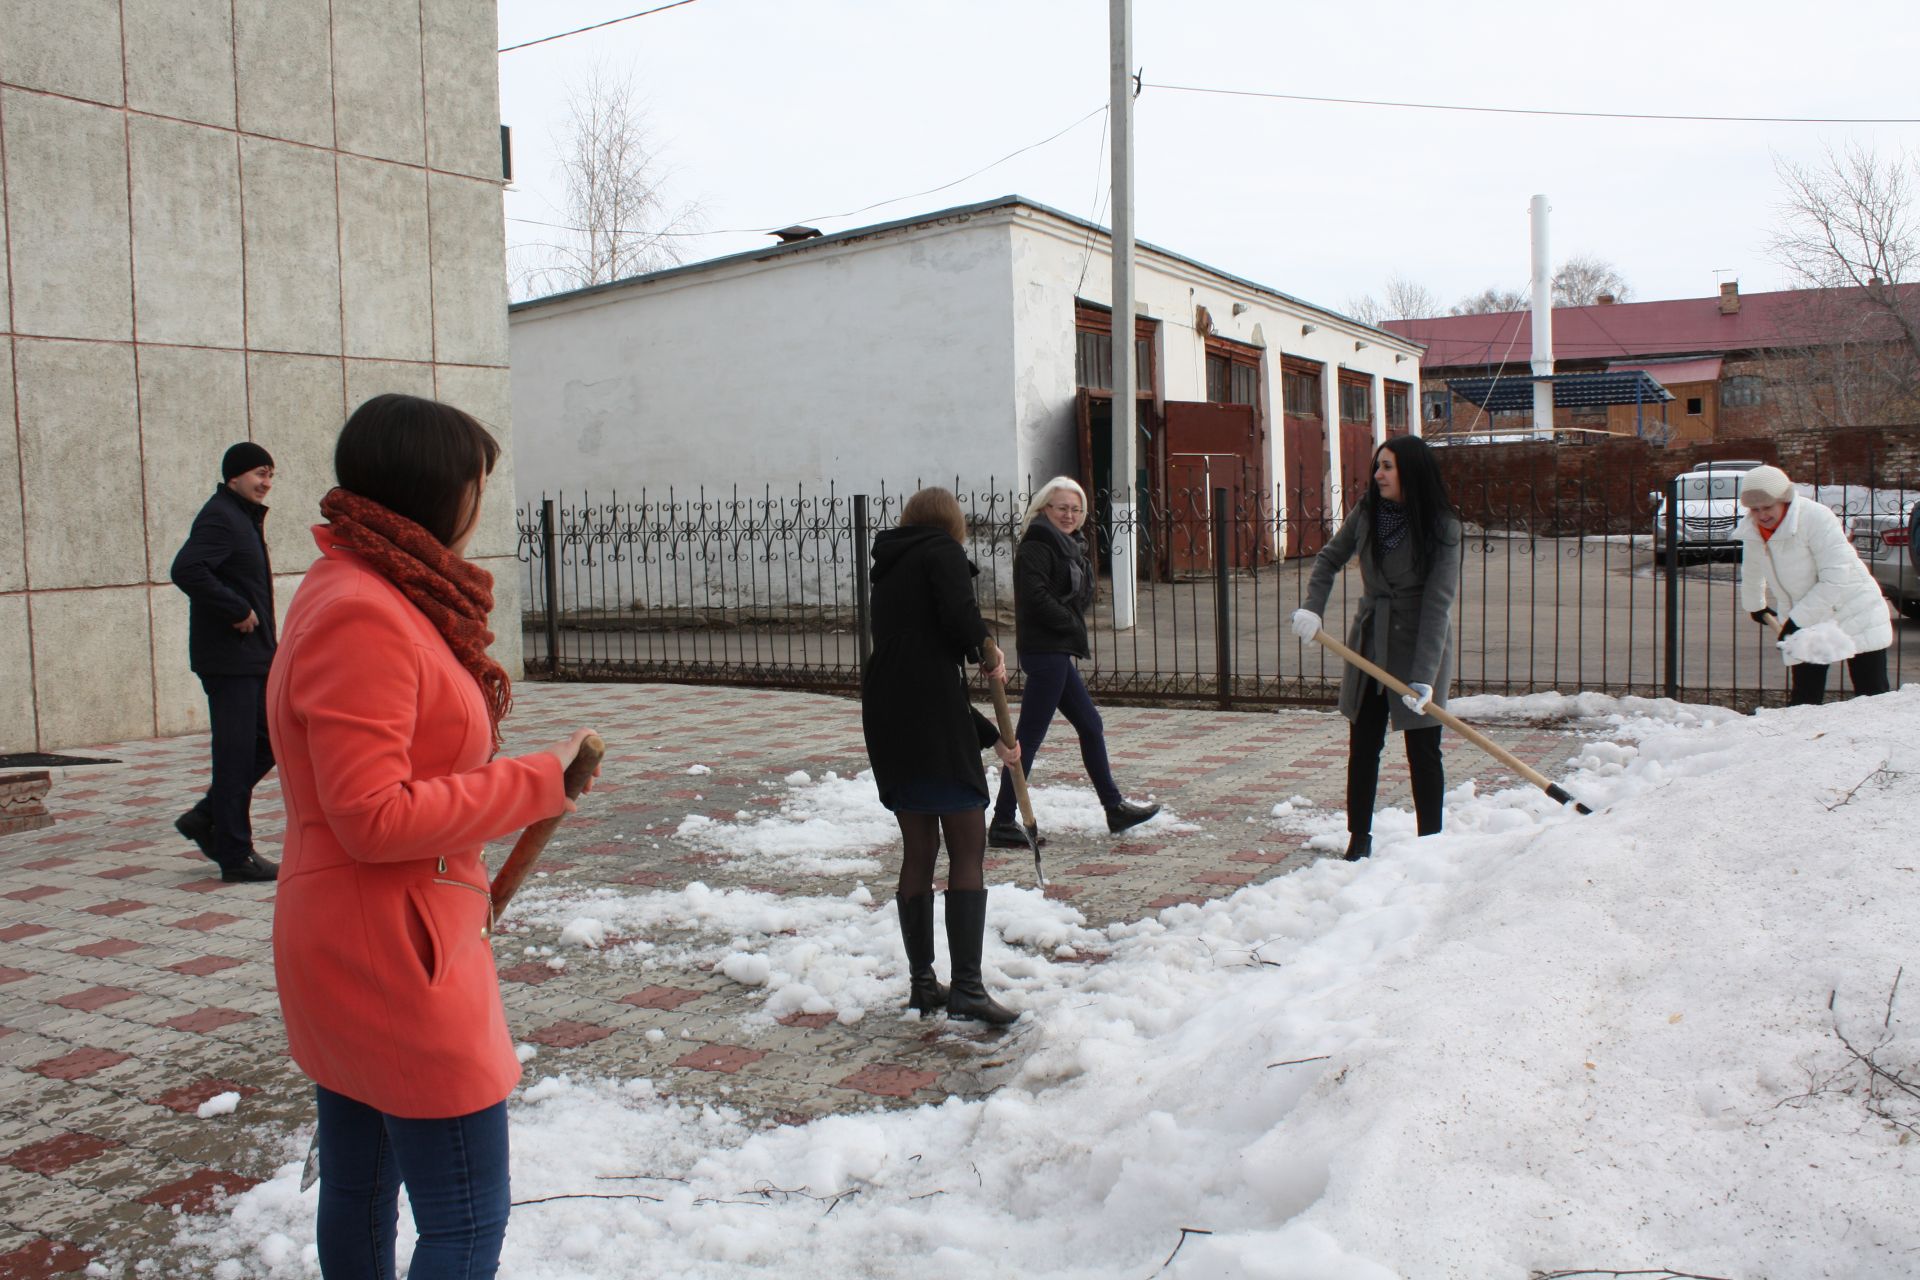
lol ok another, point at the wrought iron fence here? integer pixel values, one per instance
(1563, 587)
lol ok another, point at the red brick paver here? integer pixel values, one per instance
(568, 1035)
(202, 1192)
(661, 997)
(79, 1064)
(55, 1155)
(889, 1080)
(726, 1058)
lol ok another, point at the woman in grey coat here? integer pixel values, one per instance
(1406, 536)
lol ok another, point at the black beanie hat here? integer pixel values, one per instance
(242, 458)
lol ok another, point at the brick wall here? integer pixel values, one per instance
(1604, 487)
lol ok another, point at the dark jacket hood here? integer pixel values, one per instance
(893, 547)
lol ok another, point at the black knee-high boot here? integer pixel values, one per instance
(966, 934)
(916, 932)
(1428, 774)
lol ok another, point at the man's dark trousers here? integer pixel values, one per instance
(242, 755)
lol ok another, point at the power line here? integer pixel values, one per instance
(1535, 111)
(829, 217)
(528, 44)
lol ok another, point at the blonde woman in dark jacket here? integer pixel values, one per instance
(1406, 536)
(1052, 589)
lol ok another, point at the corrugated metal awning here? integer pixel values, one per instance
(1514, 393)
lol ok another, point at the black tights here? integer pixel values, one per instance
(1368, 736)
(966, 834)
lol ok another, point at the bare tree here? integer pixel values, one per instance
(1490, 300)
(1402, 299)
(1849, 233)
(621, 221)
(1583, 278)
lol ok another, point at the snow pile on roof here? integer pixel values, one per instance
(1538, 1042)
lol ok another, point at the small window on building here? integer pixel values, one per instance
(1219, 379)
(1433, 405)
(1093, 350)
(1356, 401)
(1301, 390)
(1742, 392)
(1399, 402)
(1695, 406)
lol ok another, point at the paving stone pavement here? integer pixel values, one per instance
(134, 985)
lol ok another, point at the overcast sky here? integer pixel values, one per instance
(770, 112)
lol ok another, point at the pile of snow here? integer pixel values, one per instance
(823, 828)
(1635, 716)
(220, 1104)
(808, 954)
(1539, 1041)
(1821, 643)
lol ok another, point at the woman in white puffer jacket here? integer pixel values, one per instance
(1794, 551)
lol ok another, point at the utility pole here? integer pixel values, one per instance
(1121, 478)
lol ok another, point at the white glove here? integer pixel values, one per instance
(1306, 623)
(1417, 700)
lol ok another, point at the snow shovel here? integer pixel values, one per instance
(532, 841)
(994, 657)
(1465, 730)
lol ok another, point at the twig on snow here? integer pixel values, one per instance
(1184, 1233)
(1659, 1273)
(1291, 1062)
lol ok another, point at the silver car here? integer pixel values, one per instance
(1708, 508)
(1882, 539)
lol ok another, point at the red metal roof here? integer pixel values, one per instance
(1627, 330)
(1670, 373)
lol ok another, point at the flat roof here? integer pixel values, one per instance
(1008, 202)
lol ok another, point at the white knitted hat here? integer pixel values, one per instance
(1764, 485)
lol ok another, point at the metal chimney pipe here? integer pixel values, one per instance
(1542, 317)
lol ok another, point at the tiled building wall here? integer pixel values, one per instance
(222, 220)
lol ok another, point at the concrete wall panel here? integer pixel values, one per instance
(469, 271)
(188, 285)
(296, 412)
(369, 378)
(16, 676)
(485, 394)
(70, 47)
(180, 58)
(80, 464)
(292, 248)
(463, 90)
(93, 665)
(67, 218)
(13, 533)
(284, 52)
(384, 274)
(193, 404)
(179, 701)
(378, 109)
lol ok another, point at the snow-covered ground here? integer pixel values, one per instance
(1538, 1042)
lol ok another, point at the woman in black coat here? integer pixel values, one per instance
(1052, 588)
(924, 739)
(1406, 536)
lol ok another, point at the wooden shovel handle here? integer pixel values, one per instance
(991, 652)
(1453, 722)
(527, 849)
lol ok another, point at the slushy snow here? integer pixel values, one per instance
(1537, 1042)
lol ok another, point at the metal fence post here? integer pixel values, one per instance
(1672, 569)
(551, 561)
(1222, 599)
(862, 620)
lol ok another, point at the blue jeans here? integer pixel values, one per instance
(1054, 683)
(455, 1171)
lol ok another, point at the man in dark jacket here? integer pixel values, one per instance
(226, 574)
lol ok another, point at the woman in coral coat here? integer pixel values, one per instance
(385, 709)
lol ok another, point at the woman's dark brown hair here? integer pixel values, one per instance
(937, 508)
(416, 457)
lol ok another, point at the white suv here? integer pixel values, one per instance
(1708, 508)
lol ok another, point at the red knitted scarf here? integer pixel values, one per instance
(455, 594)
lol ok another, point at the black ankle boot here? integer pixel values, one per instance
(966, 932)
(1128, 814)
(1006, 833)
(1358, 847)
(925, 994)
